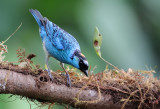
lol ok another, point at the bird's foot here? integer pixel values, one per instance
(68, 80)
(49, 74)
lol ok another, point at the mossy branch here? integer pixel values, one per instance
(110, 89)
(39, 87)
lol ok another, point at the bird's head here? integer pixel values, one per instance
(80, 62)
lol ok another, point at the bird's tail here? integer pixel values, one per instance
(38, 17)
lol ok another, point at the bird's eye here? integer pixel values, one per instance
(81, 62)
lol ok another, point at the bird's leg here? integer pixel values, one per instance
(48, 69)
(67, 75)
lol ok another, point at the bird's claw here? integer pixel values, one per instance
(68, 80)
(49, 74)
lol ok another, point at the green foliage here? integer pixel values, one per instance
(97, 42)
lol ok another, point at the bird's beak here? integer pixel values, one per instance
(86, 73)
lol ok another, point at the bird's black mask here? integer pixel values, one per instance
(83, 63)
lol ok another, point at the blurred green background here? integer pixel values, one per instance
(130, 30)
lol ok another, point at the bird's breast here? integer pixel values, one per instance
(61, 55)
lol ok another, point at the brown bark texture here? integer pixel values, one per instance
(84, 95)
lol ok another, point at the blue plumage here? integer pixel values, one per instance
(60, 44)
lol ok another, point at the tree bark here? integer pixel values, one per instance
(39, 88)
(29, 86)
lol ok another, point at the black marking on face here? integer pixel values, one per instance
(83, 66)
(83, 63)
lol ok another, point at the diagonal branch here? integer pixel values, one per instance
(23, 82)
(31, 87)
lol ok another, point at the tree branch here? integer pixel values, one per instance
(40, 88)
(31, 87)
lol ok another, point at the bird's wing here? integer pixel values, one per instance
(55, 36)
(59, 38)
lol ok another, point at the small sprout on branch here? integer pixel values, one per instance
(25, 61)
(97, 42)
(30, 56)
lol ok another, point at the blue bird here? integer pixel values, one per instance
(59, 44)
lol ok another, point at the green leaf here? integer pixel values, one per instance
(97, 41)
